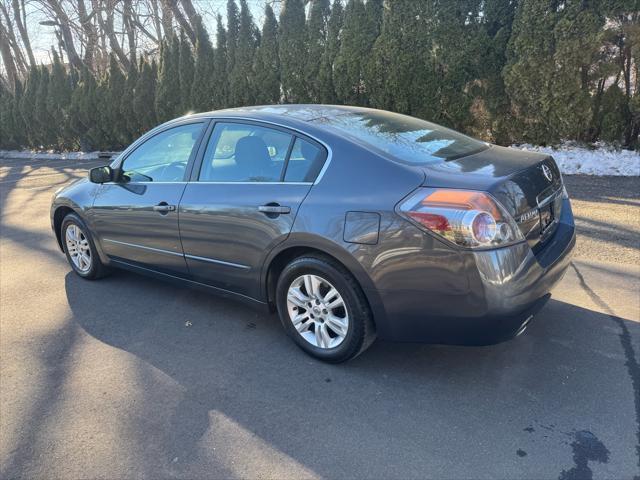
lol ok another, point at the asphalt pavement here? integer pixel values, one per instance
(132, 377)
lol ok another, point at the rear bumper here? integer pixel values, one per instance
(507, 287)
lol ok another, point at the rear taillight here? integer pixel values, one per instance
(466, 218)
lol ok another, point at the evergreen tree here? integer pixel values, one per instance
(145, 93)
(577, 47)
(529, 73)
(401, 73)
(83, 112)
(317, 31)
(384, 66)
(130, 124)
(240, 91)
(618, 59)
(615, 115)
(201, 90)
(358, 35)
(499, 17)
(292, 40)
(6, 118)
(546, 77)
(457, 23)
(326, 87)
(186, 74)
(220, 79)
(168, 97)
(114, 124)
(374, 10)
(233, 31)
(46, 125)
(266, 81)
(28, 107)
(58, 101)
(18, 137)
(102, 132)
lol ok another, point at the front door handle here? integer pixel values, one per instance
(273, 209)
(164, 208)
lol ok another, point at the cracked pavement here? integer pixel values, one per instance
(131, 377)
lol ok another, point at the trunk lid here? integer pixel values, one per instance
(527, 184)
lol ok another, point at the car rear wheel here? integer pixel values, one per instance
(79, 248)
(323, 309)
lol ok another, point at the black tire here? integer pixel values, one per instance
(97, 269)
(361, 331)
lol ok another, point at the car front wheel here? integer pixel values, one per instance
(79, 248)
(323, 309)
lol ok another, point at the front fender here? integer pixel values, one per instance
(77, 197)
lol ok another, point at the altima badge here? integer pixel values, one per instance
(525, 217)
(547, 172)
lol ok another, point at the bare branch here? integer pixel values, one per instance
(106, 26)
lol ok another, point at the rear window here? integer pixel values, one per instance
(408, 139)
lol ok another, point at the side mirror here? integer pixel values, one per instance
(101, 174)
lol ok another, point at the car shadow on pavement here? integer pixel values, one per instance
(552, 395)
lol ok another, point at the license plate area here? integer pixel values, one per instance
(547, 217)
(549, 212)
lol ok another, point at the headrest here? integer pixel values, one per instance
(251, 150)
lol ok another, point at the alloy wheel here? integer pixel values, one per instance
(318, 311)
(78, 248)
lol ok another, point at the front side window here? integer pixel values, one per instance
(245, 153)
(164, 157)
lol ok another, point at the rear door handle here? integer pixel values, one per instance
(274, 209)
(164, 207)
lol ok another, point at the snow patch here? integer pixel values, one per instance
(602, 160)
(34, 155)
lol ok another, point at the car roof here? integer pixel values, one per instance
(291, 114)
(394, 136)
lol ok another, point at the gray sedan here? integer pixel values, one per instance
(352, 223)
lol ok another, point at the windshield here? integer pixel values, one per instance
(408, 139)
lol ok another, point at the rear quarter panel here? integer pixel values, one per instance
(405, 259)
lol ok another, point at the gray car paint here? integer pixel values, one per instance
(418, 286)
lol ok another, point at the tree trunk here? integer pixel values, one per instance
(18, 57)
(91, 34)
(107, 28)
(129, 27)
(17, 8)
(167, 17)
(7, 57)
(182, 21)
(65, 28)
(192, 15)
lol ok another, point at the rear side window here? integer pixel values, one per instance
(305, 162)
(245, 153)
(407, 139)
(238, 152)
